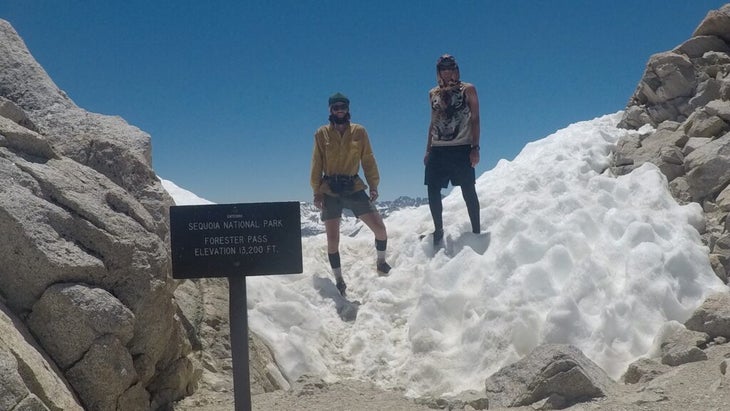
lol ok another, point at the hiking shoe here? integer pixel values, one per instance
(341, 287)
(383, 267)
(438, 235)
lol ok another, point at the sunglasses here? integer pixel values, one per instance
(339, 107)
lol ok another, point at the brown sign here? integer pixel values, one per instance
(223, 240)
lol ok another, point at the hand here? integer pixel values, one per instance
(425, 158)
(318, 201)
(474, 157)
(373, 194)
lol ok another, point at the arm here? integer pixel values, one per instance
(369, 166)
(473, 100)
(430, 131)
(315, 178)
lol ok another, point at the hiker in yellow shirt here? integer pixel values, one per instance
(340, 148)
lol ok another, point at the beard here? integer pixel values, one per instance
(334, 118)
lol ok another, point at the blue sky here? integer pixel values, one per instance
(232, 91)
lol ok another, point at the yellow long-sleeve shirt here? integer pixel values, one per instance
(343, 154)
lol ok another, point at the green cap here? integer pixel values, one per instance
(339, 98)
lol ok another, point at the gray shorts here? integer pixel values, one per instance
(358, 202)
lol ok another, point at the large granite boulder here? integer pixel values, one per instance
(562, 374)
(29, 379)
(84, 252)
(712, 317)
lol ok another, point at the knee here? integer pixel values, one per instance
(378, 228)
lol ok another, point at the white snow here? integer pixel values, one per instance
(569, 254)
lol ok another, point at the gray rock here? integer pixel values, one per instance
(13, 387)
(679, 187)
(644, 370)
(548, 370)
(721, 248)
(707, 91)
(719, 108)
(682, 346)
(723, 200)
(69, 318)
(31, 403)
(470, 400)
(108, 144)
(693, 143)
(668, 76)
(106, 360)
(699, 45)
(625, 149)
(708, 168)
(716, 23)
(636, 115)
(48, 384)
(702, 124)
(660, 148)
(205, 309)
(718, 264)
(11, 111)
(712, 317)
(81, 205)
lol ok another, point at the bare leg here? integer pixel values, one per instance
(375, 222)
(332, 228)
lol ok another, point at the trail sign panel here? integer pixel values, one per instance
(224, 240)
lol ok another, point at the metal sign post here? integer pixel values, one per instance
(236, 241)
(239, 342)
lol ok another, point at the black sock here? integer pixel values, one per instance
(334, 259)
(434, 204)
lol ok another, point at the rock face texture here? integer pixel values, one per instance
(84, 255)
(558, 374)
(683, 103)
(90, 318)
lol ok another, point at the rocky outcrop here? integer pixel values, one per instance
(682, 105)
(678, 82)
(106, 144)
(712, 317)
(84, 255)
(28, 377)
(204, 306)
(560, 375)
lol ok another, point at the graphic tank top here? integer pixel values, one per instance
(451, 115)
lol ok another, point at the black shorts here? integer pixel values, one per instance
(449, 163)
(359, 202)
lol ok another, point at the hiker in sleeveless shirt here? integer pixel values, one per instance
(340, 148)
(452, 148)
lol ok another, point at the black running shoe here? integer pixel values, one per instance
(383, 268)
(341, 287)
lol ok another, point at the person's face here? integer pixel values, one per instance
(449, 76)
(339, 109)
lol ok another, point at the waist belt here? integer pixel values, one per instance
(340, 177)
